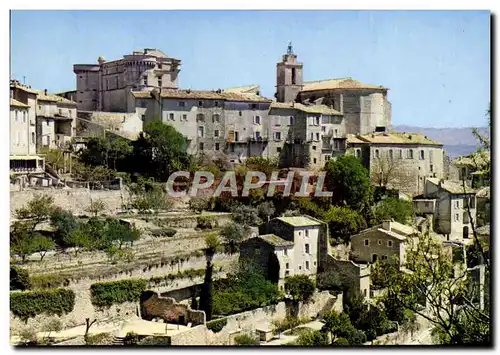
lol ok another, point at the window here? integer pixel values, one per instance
(16, 112)
(47, 140)
(379, 242)
(144, 79)
(430, 156)
(201, 131)
(47, 122)
(376, 153)
(307, 265)
(159, 65)
(323, 128)
(240, 113)
(335, 134)
(314, 160)
(312, 136)
(358, 153)
(185, 117)
(159, 82)
(216, 132)
(314, 147)
(200, 103)
(384, 257)
(277, 136)
(300, 267)
(171, 116)
(278, 150)
(286, 253)
(410, 154)
(327, 157)
(200, 117)
(367, 242)
(24, 116)
(300, 234)
(457, 217)
(391, 155)
(216, 103)
(457, 204)
(294, 76)
(236, 136)
(182, 104)
(472, 202)
(217, 146)
(317, 136)
(422, 155)
(287, 265)
(216, 118)
(307, 233)
(316, 121)
(32, 137)
(291, 121)
(307, 248)
(389, 243)
(256, 120)
(201, 146)
(431, 168)
(257, 135)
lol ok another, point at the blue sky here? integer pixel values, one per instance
(436, 63)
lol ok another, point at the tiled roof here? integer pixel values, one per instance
(24, 88)
(391, 138)
(338, 84)
(451, 186)
(244, 89)
(484, 192)
(398, 231)
(321, 109)
(299, 221)
(475, 159)
(203, 95)
(14, 102)
(54, 98)
(275, 240)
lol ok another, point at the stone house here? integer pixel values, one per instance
(470, 167)
(105, 86)
(400, 161)
(23, 152)
(288, 246)
(95, 123)
(385, 242)
(55, 121)
(358, 274)
(451, 217)
(483, 210)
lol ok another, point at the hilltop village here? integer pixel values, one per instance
(102, 254)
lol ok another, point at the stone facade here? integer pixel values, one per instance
(451, 217)
(400, 161)
(166, 308)
(386, 242)
(105, 86)
(358, 273)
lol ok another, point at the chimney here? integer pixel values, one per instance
(386, 225)
(45, 91)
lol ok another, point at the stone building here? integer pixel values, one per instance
(385, 242)
(451, 217)
(105, 86)
(290, 246)
(365, 107)
(483, 207)
(23, 135)
(470, 168)
(400, 161)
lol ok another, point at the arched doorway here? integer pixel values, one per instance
(374, 258)
(465, 232)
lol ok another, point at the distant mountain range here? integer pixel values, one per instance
(456, 141)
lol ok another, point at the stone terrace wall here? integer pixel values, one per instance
(74, 200)
(248, 321)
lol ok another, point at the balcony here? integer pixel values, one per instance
(258, 139)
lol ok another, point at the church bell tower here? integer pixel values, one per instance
(288, 77)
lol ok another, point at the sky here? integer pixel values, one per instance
(435, 63)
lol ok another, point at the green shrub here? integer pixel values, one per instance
(131, 339)
(217, 325)
(19, 279)
(100, 339)
(48, 281)
(300, 287)
(155, 341)
(207, 222)
(245, 340)
(164, 232)
(105, 294)
(51, 302)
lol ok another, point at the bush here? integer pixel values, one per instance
(206, 222)
(100, 339)
(28, 336)
(26, 305)
(164, 232)
(105, 294)
(245, 340)
(155, 341)
(19, 279)
(217, 325)
(199, 204)
(48, 281)
(288, 323)
(131, 339)
(300, 287)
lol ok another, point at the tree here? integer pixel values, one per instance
(53, 157)
(38, 209)
(65, 223)
(344, 222)
(245, 215)
(164, 148)
(119, 149)
(390, 172)
(349, 181)
(96, 207)
(232, 235)
(446, 289)
(266, 210)
(338, 326)
(394, 209)
(300, 287)
(19, 279)
(212, 243)
(120, 233)
(312, 338)
(21, 240)
(42, 244)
